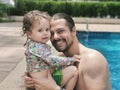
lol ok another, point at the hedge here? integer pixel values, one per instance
(83, 9)
(4, 9)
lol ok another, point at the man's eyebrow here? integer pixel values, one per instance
(60, 29)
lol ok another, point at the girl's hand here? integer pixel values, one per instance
(76, 58)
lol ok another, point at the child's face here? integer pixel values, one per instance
(40, 31)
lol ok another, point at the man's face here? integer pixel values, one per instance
(61, 36)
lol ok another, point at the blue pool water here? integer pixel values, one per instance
(109, 45)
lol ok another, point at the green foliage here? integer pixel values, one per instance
(3, 10)
(19, 8)
(44, 6)
(58, 7)
(90, 9)
(113, 9)
(102, 9)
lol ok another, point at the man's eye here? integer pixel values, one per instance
(61, 31)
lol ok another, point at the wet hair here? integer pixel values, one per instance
(69, 21)
(31, 17)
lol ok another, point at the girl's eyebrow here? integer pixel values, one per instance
(47, 28)
(40, 29)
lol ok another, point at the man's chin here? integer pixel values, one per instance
(59, 49)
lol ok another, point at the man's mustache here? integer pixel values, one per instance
(55, 41)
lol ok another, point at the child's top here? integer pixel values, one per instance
(39, 57)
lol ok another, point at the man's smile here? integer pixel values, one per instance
(59, 43)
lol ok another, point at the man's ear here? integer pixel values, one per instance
(28, 34)
(74, 31)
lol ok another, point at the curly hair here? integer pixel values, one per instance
(31, 17)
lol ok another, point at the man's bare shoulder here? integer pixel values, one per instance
(94, 59)
(94, 54)
(95, 68)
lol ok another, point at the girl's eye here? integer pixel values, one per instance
(47, 29)
(40, 30)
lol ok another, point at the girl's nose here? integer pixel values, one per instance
(45, 32)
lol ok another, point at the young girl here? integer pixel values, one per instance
(40, 60)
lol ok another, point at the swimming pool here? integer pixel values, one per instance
(109, 45)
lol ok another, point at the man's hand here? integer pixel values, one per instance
(46, 84)
(28, 81)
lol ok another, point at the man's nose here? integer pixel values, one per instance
(56, 36)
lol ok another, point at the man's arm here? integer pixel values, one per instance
(48, 84)
(96, 72)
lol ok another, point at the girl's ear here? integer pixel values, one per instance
(28, 34)
(74, 31)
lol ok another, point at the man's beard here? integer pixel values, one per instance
(68, 45)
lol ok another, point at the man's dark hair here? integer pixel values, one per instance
(69, 21)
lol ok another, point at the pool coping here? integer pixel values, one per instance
(98, 27)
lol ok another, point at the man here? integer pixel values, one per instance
(93, 67)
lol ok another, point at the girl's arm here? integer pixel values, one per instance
(53, 60)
